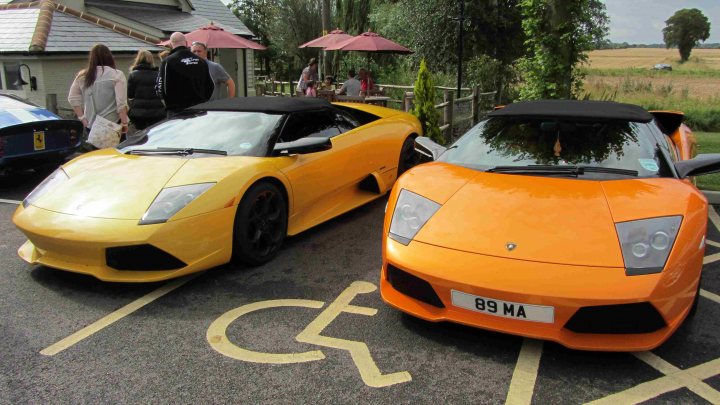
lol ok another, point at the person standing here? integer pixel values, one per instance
(309, 73)
(218, 74)
(351, 87)
(146, 108)
(184, 78)
(100, 90)
(366, 82)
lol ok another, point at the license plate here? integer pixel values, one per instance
(39, 140)
(505, 309)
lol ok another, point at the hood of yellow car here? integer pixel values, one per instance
(111, 186)
(531, 218)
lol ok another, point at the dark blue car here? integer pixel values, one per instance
(33, 137)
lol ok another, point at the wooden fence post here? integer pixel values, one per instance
(475, 107)
(282, 89)
(407, 101)
(293, 86)
(448, 114)
(273, 87)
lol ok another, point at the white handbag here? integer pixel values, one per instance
(104, 133)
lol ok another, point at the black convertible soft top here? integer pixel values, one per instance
(603, 110)
(276, 105)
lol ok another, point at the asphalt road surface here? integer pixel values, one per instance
(308, 327)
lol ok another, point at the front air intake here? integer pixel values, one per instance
(640, 317)
(141, 258)
(413, 286)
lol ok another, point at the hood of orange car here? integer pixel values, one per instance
(549, 220)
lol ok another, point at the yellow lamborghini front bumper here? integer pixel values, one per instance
(123, 251)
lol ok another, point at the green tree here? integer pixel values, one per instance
(685, 29)
(425, 104)
(559, 33)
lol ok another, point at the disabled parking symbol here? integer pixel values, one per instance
(369, 372)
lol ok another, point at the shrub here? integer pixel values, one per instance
(425, 104)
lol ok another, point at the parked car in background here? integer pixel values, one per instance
(570, 221)
(662, 66)
(32, 137)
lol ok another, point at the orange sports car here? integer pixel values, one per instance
(570, 221)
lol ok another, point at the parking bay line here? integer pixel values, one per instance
(522, 384)
(115, 316)
(707, 294)
(4, 201)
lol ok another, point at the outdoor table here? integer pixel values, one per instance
(377, 100)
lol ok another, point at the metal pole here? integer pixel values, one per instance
(460, 46)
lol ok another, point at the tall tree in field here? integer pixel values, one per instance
(685, 29)
(558, 33)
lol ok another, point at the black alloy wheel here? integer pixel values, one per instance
(260, 225)
(408, 156)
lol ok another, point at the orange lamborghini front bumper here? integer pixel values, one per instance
(619, 312)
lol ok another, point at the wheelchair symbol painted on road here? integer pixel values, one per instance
(371, 375)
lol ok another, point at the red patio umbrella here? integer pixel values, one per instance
(216, 37)
(332, 38)
(369, 42)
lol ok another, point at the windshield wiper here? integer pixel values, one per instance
(175, 151)
(559, 170)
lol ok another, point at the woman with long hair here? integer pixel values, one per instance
(100, 90)
(146, 108)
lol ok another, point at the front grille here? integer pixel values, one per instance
(413, 286)
(141, 257)
(640, 317)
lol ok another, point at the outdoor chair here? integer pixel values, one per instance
(328, 95)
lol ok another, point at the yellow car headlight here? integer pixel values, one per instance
(171, 200)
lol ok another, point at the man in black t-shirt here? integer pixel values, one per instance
(184, 79)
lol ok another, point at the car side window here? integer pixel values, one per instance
(310, 124)
(344, 124)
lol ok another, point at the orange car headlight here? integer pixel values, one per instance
(411, 212)
(646, 243)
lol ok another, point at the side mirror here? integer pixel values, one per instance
(699, 165)
(302, 145)
(428, 149)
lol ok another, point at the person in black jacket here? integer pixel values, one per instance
(184, 79)
(146, 107)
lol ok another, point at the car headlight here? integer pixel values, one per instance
(411, 212)
(171, 200)
(646, 243)
(55, 178)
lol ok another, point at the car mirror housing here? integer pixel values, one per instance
(303, 145)
(699, 165)
(428, 149)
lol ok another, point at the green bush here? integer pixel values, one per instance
(425, 104)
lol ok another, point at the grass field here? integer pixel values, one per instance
(693, 87)
(708, 142)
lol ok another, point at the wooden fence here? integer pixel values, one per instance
(474, 106)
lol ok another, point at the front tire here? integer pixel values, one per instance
(260, 225)
(408, 157)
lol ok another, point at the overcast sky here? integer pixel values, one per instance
(642, 21)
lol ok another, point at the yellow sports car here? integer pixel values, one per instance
(224, 179)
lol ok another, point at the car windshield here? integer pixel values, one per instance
(233, 132)
(580, 148)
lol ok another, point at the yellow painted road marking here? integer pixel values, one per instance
(711, 259)
(714, 217)
(217, 337)
(712, 243)
(707, 294)
(10, 201)
(522, 384)
(690, 378)
(369, 372)
(115, 316)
